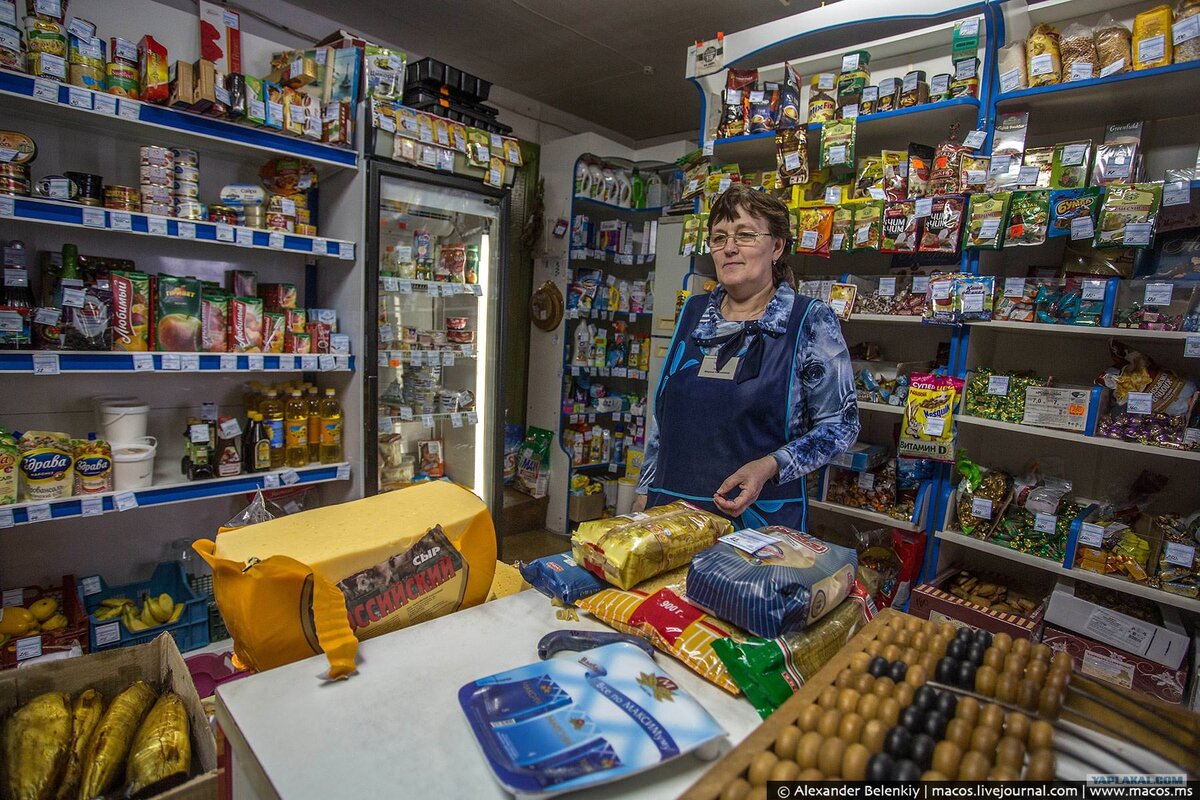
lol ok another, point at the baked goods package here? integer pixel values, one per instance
(627, 550)
(322, 580)
(771, 581)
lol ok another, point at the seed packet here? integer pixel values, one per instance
(842, 236)
(841, 299)
(837, 143)
(1128, 214)
(920, 161)
(1116, 158)
(1042, 158)
(973, 297)
(791, 154)
(787, 113)
(895, 174)
(1028, 218)
(1067, 205)
(814, 228)
(985, 227)
(870, 176)
(89, 325)
(901, 228)
(943, 228)
(1070, 164)
(973, 172)
(868, 226)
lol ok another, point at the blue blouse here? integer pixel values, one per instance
(823, 419)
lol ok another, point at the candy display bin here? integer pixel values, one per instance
(1158, 305)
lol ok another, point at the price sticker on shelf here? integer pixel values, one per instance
(13, 597)
(1045, 523)
(289, 476)
(45, 364)
(981, 507)
(1091, 535)
(924, 206)
(39, 512)
(1185, 30)
(156, 226)
(45, 89)
(109, 633)
(10, 40)
(320, 247)
(1094, 289)
(850, 111)
(808, 240)
(427, 420)
(1081, 71)
(288, 363)
(1158, 294)
(1177, 193)
(6, 518)
(91, 506)
(79, 98)
(1014, 287)
(230, 428)
(887, 287)
(91, 585)
(169, 361)
(448, 358)
(255, 362)
(391, 284)
(125, 501)
(225, 233)
(270, 481)
(130, 110)
(275, 241)
(326, 363)
(1010, 81)
(456, 420)
(975, 139)
(837, 154)
(467, 351)
(189, 362)
(1113, 68)
(309, 363)
(343, 363)
(1083, 228)
(143, 362)
(1181, 555)
(1027, 176)
(94, 217)
(920, 284)
(866, 481)
(343, 472)
(120, 220)
(198, 433)
(935, 426)
(1139, 403)
(1191, 347)
(245, 237)
(73, 298)
(7, 207)
(1152, 48)
(998, 385)
(29, 647)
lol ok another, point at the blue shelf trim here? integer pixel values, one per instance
(1154, 72)
(12, 361)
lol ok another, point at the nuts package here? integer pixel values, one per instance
(791, 153)
(1068, 205)
(942, 230)
(1112, 47)
(1127, 215)
(920, 162)
(901, 228)
(985, 226)
(1028, 218)
(1078, 51)
(983, 495)
(1187, 49)
(1013, 67)
(814, 228)
(868, 227)
(1044, 59)
(837, 143)
(1152, 45)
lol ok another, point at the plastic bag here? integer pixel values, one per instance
(1188, 50)
(561, 578)
(1014, 72)
(1152, 38)
(1077, 49)
(983, 495)
(1042, 54)
(1112, 47)
(533, 462)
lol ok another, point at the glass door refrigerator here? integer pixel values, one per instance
(435, 286)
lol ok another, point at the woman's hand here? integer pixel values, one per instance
(639, 504)
(750, 479)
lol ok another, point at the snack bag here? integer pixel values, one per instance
(738, 85)
(928, 428)
(1071, 164)
(983, 495)
(46, 466)
(920, 162)
(1128, 214)
(841, 299)
(895, 174)
(815, 230)
(943, 228)
(973, 172)
(787, 113)
(837, 143)
(901, 228)
(791, 153)
(939, 305)
(870, 176)
(1152, 38)
(1068, 205)
(973, 297)
(947, 163)
(130, 310)
(1045, 63)
(842, 232)
(868, 227)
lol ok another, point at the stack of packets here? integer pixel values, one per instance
(955, 297)
(704, 599)
(1178, 564)
(928, 427)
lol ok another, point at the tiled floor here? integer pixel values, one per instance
(529, 545)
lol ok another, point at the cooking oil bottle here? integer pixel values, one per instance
(331, 428)
(296, 430)
(313, 399)
(272, 413)
(257, 444)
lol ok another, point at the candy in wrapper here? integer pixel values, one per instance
(561, 578)
(973, 297)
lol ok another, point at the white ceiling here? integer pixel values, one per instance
(586, 57)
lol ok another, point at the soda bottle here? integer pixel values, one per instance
(331, 428)
(314, 425)
(296, 430)
(272, 414)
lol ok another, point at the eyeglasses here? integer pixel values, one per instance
(742, 238)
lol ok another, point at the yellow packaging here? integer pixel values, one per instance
(1152, 46)
(629, 549)
(10, 453)
(324, 579)
(46, 470)
(928, 428)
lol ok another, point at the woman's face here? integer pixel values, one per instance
(745, 266)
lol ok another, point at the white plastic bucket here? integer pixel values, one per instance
(123, 419)
(133, 464)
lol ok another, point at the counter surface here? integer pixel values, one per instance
(395, 728)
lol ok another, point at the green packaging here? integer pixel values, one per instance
(256, 107)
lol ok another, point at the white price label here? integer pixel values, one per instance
(1113, 68)
(73, 298)
(7, 207)
(79, 98)
(225, 233)
(406, 413)
(39, 512)
(109, 633)
(275, 241)
(999, 166)
(91, 506)
(416, 358)
(1138, 233)
(271, 481)
(1177, 193)
(448, 358)
(1185, 30)
(320, 247)
(924, 207)
(125, 501)
(255, 362)
(230, 428)
(935, 426)
(989, 228)
(1081, 71)
(427, 420)
(808, 240)
(877, 193)
(1027, 176)
(326, 363)
(289, 476)
(289, 363)
(1158, 294)
(1073, 155)
(791, 161)
(1181, 555)
(850, 111)
(13, 597)
(1010, 81)
(1094, 289)
(1151, 49)
(143, 362)
(837, 154)
(969, 27)
(910, 82)
(472, 417)
(169, 361)
(887, 287)
(346, 251)
(45, 89)
(866, 481)
(1041, 65)
(833, 195)
(998, 385)
(120, 221)
(198, 433)
(920, 284)
(189, 362)
(964, 69)
(850, 62)
(156, 226)
(1191, 347)
(1083, 227)
(45, 364)
(861, 235)
(825, 81)
(245, 237)
(343, 472)
(309, 363)
(128, 109)
(975, 139)
(981, 507)
(29, 647)
(47, 316)
(391, 284)
(1139, 403)
(208, 412)
(1091, 535)
(1014, 287)
(91, 585)
(94, 217)
(976, 177)
(6, 518)
(456, 420)
(1045, 523)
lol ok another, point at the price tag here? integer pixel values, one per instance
(833, 195)
(109, 633)
(73, 298)
(225, 233)
(255, 362)
(289, 476)
(1152, 49)
(39, 512)
(924, 206)
(448, 358)
(1191, 347)
(79, 98)
(125, 501)
(81, 28)
(94, 217)
(456, 420)
(1014, 287)
(320, 247)
(1181, 555)
(1113, 68)
(1083, 227)
(850, 111)
(866, 481)
(1045, 523)
(467, 350)
(935, 426)
(91, 506)
(1185, 30)
(839, 240)
(391, 284)
(1138, 233)
(975, 139)
(143, 362)
(981, 507)
(156, 226)
(1027, 176)
(850, 62)
(877, 193)
(427, 420)
(808, 240)
(45, 89)
(1094, 289)
(230, 428)
(969, 27)
(29, 647)
(343, 363)
(120, 221)
(45, 364)
(326, 363)
(245, 237)
(1010, 81)
(91, 585)
(7, 207)
(198, 433)
(189, 362)
(910, 82)
(998, 385)
(920, 284)
(1091, 535)
(825, 81)
(406, 413)
(6, 517)
(1041, 65)
(9, 38)
(964, 69)
(862, 234)
(1139, 403)
(837, 154)
(270, 481)
(343, 472)
(1081, 71)
(127, 109)
(472, 418)
(887, 287)
(1177, 193)
(416, 358)
(1158, 294)
(13, 597)
(309, 363)
(170, 361)
(275, 241)
(989, 228)
(999, 166)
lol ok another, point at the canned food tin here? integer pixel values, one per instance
(306, 230)
(457, 323)
(152, 155)
(120, 193)
(185, 172)
(968, 87)
(10, 170)
(159, 209)
(189, 209)
(47, 65)
(155, 175)
(86, 51)
(243, 195)
(57, 187)
(122, 205)
(280, 222)
(221, 213)
(303, 216)
(185, 190)
(254, 217)
(12, 59)
(87, 77)
(155, 194)
(14, 186)
(122, 80)
(187, 157)
(91, 187)
(123, 51)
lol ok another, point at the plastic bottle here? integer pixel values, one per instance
(624, 190)
(582, 357)
(654, 192)
(313, 398)
(583, 180)
(608, 186)
(272, 416)
(637, 197)
(257, 444)
(331, 428)
(596, 177)
(296, 430)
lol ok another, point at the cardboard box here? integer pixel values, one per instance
(159, 664)
(221, 37)
(930, 602)
(183, 85)
(1115, 666)
(586, 506)
(1165, 644)
(204, 95)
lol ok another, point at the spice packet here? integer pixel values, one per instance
(1070, 164)
(1128, 214)
(985, 226)
(947, 158)
(1067, 205)
(1042, 158)
(870, 176)
(939, 304)
(920, 162)
(973, 297)
(868, 226)
(787, 112)
(837, 143)
(942, 230)
(814, 228)
(791, 154)
(841, 299)
(895, 174)
(842, 235)
(901, 227)
(1028, 218)
(973, 172)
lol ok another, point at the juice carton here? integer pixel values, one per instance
(177, 322)
(245, 325)
(130, 310)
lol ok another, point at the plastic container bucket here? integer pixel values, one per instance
(123, 419)
(133, 463)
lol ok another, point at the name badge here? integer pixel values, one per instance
(708, 368)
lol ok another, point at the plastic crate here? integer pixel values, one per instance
(63, 639)
(189, 632)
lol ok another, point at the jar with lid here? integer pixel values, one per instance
(915, 90)
(822, 104)
(853, 78)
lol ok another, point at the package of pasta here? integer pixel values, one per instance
(985, 225)
(868, 226)
(769, 671)
(1044, 59)
(671, 624)
(771, 581)
(901, 228)
(928, 427)
(814, 231)
(842, 237)
(837, 143)
(629, 549)
(942, 230)
(791, 153)
(1128, 214)
(1028, 218)
(561, 578)
(1152, 38)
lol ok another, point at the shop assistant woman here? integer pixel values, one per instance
(757, 389)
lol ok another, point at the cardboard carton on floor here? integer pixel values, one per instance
(1118, 667)
(930, 601)
(110, 672)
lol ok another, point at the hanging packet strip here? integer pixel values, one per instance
(837, 143)
(1128, 214)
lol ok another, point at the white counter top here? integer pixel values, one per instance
(395, 729)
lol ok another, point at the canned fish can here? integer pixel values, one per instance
(155, 175)
(155, 194)
(186, 190)
(185, 172)
(153, 155)
(10, 170)
(189, 209)
(280, 222)
(122, 80)
(303, 216)
(306, 230)
(87, 77)
(159, 209)
(222, 213)
(18, 187)
(188, 158)
(243, 195)
(124, 194)
(254, 217)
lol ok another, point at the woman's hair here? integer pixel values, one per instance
(740, 197)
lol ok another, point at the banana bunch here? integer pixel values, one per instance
(154, 611)
(54, 749)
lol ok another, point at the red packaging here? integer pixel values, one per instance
(278, 295)
(131, 316)
(294, 320)
(243, 283)
(297, 343)
(320, 333)
(245, 325)
(274, 328)
(1112, 665)
(214, 316)
(153, 72)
